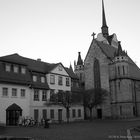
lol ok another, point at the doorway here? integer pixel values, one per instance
(12, 114)
(59, 115)
(99, 113)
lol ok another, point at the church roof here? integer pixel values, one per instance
(109, 52)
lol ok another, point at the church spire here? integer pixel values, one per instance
(80, 61)
(104, 24)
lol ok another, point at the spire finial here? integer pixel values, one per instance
(104, 24)
(93, 34)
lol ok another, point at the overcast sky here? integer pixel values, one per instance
(56, 30)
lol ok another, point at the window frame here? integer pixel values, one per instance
(67, 81)
(60, 80)
(6, 91)
(44, 94)
(36, 95)
(14, 91)
(22, 92)
(52, 79)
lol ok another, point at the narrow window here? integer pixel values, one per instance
(79, 112)
(97, 79)
(14, 92)
(7, 67)
(73, 113)
(52, 114)
(42, 79)
(118, 70)
(123, 70)
(52, 98)
(52, 79)
(36, 95)
(23, 70)
(44, 95)
(44, 114)
(60, 80)
(4, 91)
(67, 82)
(23, 93)
(34, 78)
(16, 69)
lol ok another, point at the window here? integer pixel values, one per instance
(44, 114)
(60, 80)
(79, 112)
(23, 70)
(118, 70)
(14, 92)
(15, 69)
(52, 114)
(5, 92)
(67, 82)
(52, 79)
(123, 70)
(44, 95)
(119, 85)
(8, 67)
(52, 98)
(42, 79)
(23, 93)
(97, 79)
(73, 113)
(34, 78)
(36, 95)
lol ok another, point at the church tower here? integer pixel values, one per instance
(79, 69)
(104, 27)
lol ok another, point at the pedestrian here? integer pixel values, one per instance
(46, 123)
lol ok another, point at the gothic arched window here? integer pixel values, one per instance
(97, 80)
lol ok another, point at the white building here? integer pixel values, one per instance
(26, 86)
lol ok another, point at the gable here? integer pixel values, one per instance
(95, 51)
(59, 69)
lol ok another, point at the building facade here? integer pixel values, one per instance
(26, 86)
(108, 66)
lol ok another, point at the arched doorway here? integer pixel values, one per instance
(12, 114)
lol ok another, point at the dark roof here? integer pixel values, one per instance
(14, 107)
(71, 73)
(31, 65)
(107, 49)
(109, 52)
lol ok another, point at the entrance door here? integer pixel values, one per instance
(12, 114)
(99, 113)
(60, 115)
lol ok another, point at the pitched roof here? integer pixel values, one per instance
(33, 65)
(109, 52)
(71, 73)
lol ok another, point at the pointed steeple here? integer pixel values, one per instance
(80, 61)
(104, 24)
(120, 52)
(70, 67)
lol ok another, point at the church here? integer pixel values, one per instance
(108, 66)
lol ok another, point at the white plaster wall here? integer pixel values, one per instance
(5, 102)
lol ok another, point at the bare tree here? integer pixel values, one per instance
(93, 98)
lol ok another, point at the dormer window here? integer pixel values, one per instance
(23, 70)
(42, 79)
(15, 69)
(8, 67)
(34, 78)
